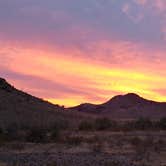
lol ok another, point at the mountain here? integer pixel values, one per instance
(127, 106)
(21, 109)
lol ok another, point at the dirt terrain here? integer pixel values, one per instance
(91, 149)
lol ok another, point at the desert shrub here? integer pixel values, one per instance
(55, 134)
(61, 124)
(139, 124)
(143, 124)
(104, 124)
(57, 128)
(162, 124)
(11, 132)
(128, 126)
(92, 140)
(74, 140)
(37, 135)
(86, 126)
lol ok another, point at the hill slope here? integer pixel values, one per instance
(126, 106)
(22, 109)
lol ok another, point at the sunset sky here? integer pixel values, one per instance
(76, 51)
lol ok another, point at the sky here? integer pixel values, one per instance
(77, 51)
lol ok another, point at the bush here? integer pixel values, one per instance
(162, 124)
(85, 126)
(11, 132)
(143, 124)
(61, 124)
(74, 140)
(55, 133)
(37, 136)
(104, 124)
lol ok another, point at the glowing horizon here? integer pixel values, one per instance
(69, 56)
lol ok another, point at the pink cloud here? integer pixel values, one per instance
(106, 68)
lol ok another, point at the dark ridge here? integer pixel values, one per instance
(126, 106)
(19, 108)
(130, 97)
(4, 85)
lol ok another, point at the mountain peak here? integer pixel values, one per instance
(132, 95)
(130, 98)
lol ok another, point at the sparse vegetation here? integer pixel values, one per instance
(104, 124)
(37, 136)
(74, 140)
(55, 134)
(86, 126)
(143, 124)
(162, 123)
(61, 124)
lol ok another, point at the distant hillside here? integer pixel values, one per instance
(22, 109)
(127, 106)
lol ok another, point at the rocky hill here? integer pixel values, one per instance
(127, 106)
(21, 109)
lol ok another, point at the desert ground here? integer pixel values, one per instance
(87, 148)
(34, 132)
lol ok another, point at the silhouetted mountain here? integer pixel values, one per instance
(126, 106)
(21, 109)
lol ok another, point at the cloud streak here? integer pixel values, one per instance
(75, 51)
